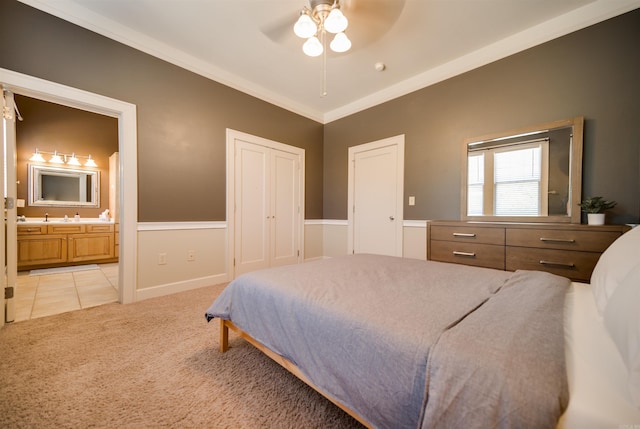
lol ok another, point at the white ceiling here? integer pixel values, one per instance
(249, 44)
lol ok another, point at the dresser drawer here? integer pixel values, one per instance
(591, 241)
(480, 255)
(576, 265)
(468, 234)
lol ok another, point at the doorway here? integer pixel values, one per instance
(82, 281)
(37, 88)
(375, 197)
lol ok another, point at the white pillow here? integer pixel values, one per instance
(614, 264)
(622, 320)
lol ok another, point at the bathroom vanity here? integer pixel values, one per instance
(57, 243)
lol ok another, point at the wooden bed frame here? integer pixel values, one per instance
(225, 325)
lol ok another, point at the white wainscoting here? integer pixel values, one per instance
(175, 240)
(324, 238)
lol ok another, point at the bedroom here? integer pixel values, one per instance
(592, 72)
(593, 75)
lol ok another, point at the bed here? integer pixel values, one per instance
(406, 343)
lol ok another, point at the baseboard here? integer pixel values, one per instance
(170, 288)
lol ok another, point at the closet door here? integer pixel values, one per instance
(285, 208)
(267, 207)
(252, 215)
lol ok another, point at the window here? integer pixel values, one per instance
(509, 180)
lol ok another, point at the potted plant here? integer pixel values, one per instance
(595, 208)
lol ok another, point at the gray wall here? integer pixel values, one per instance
(182, 117)
(593, 73)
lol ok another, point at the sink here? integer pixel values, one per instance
(41, 221)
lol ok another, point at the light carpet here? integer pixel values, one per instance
(151, 364)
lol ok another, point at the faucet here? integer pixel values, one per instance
(46, 217)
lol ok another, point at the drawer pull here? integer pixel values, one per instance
(456, 253)
(561, 264)
(558, 240)
(463, 234)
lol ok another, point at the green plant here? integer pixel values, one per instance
(596, 205)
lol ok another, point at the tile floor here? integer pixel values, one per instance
(45, 295)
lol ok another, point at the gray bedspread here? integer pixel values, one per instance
(408, 343)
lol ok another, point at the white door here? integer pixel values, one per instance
(10, 193)
(267, 200)
(3, 278)
(285, 208)
(376, 192)
(252, 217)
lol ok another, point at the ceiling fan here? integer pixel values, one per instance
(368, 20)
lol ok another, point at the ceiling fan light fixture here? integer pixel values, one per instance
(336, 22)
(340, 43)
(304, 26)
(312, 47)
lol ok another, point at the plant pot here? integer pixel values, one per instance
(595, 218)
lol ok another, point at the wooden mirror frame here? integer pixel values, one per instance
(575, 173)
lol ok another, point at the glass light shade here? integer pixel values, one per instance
(90, 162)
(305, 27)
(312, 47)
(37, 157)
(56, 159)
(73, 160)
(340, 43)
(336, 22)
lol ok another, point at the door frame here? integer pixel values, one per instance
(232, 136)
(34, 87)
(378, 144)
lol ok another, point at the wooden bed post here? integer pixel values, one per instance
(224, 336)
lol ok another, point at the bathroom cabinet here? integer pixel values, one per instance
(41, 245)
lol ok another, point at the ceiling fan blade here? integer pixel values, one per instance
(280, 29)
(369, 20)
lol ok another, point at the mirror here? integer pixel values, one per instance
(63, 187)
(532, 174)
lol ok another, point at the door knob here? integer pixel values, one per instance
(392, 218)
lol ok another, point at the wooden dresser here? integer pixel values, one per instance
(569, 250)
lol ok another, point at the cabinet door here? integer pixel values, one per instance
(41, 250)
(90, 247)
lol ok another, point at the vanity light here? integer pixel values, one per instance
(90, 162)
(37, 157)
(56, 159)
(73, 160)
(62, 158)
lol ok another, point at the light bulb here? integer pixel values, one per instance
(73, 160)
(336, 22)
(340, 43)
(305, 27)
(90, 162)
(37, 157)
(312, 47)
(56, 159)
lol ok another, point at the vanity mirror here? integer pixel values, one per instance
(63, 187)
(532, 174)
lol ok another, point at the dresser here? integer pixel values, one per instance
(569, 250)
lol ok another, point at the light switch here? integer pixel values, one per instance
(412, 201)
